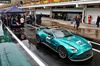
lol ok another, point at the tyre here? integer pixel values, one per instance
(38, 39)
(62, 52)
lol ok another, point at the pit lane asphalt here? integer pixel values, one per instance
(46, 54)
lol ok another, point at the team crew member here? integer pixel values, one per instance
(22, 21)
(98, 19)
(77, 22)
(89, 19)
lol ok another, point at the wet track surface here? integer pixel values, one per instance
(48, 56)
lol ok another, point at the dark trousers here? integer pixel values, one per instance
(83, 20)
(97, 24)
(22, 25)
(77, 25)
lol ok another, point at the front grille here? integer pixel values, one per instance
(85, 54)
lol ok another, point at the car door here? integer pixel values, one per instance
(50, 39)
(53, 42)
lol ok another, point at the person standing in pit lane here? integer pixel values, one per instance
(33, 19)
(83, 18)
(18, 18)
(98, 20)
(22, 21)
(89, 19)
(77, 22)
(30, 20)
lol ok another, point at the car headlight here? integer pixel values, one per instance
(89, 43)
(72, 48)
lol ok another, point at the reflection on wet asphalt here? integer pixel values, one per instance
(27, 36)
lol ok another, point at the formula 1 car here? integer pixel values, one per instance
(65, 43)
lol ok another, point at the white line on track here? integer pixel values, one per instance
(96, 50)
(95, 43)
(32, 26)
(33, 55)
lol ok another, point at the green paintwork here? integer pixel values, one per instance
(11, 56)
(5, 38)
(9, 53)
(75, 41)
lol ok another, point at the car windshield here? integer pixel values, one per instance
(61, 33)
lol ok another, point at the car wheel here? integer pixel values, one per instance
(62, 52)
(38, 39)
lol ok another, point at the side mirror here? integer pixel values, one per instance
(50, 36)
